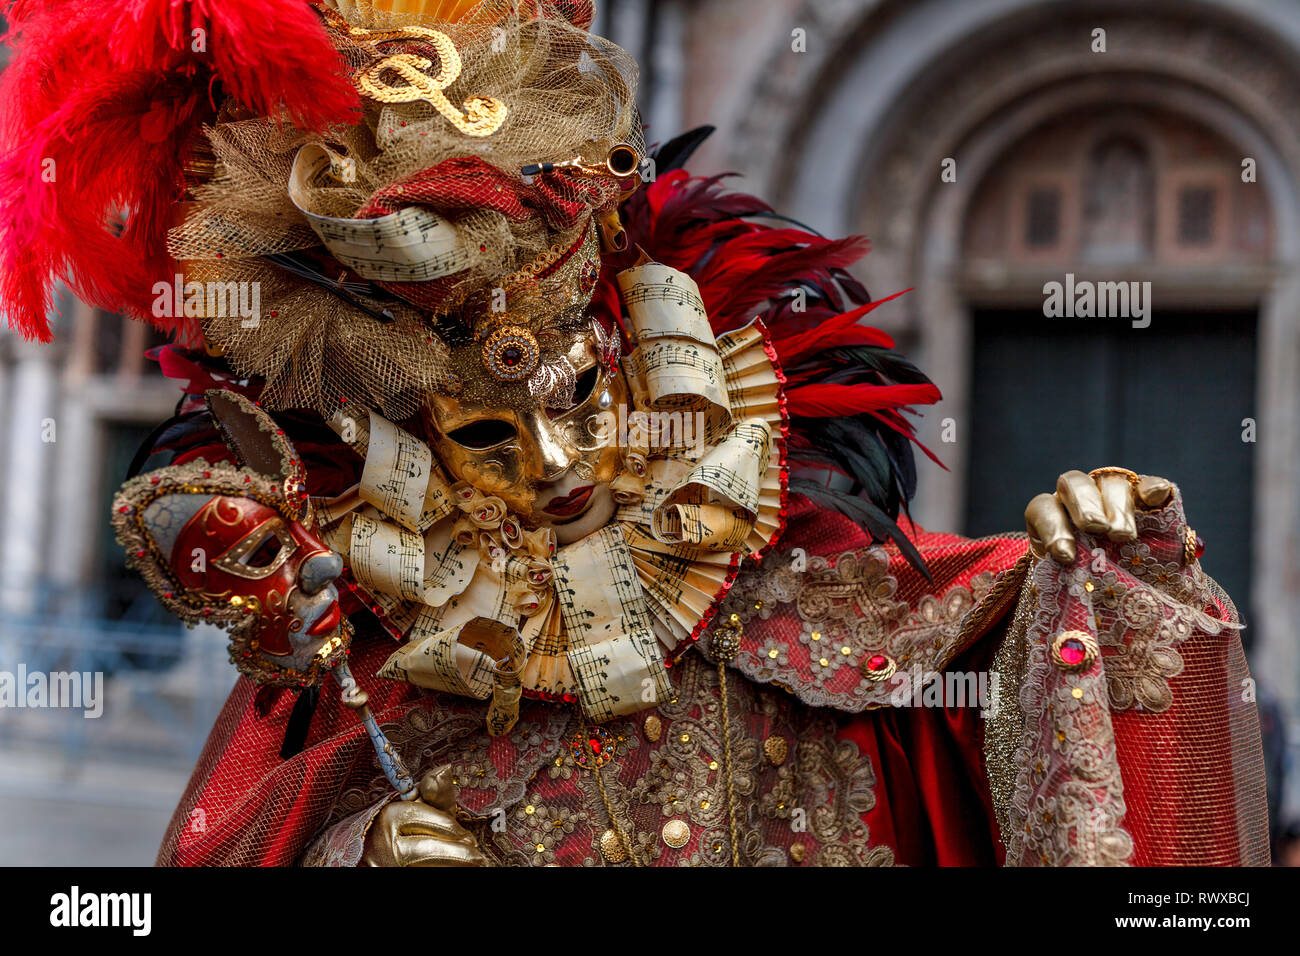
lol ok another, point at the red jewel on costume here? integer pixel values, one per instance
(592, 749)
(1073, 652)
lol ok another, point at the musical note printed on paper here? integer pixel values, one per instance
(714, 507)
(608, 624)
(479, 658)
(675, 357)
(410, 245)
(387, 558)
(396, 474)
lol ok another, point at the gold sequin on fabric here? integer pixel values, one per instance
(797, 852)
(676, 834)
(666, 802)
(855, 631)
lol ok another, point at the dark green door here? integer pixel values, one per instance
(1053, 394)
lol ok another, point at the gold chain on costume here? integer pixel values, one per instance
(726, 763)
(723, 648)
(724, 645)
(623, 840)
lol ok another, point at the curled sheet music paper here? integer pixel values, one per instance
(396, 472)
(752, 385)
(449, 565)
(352, 424)
(387, 558)
(662, 476)
(401, 479)
(714, 507)
(479, 658)
(617, 662)
(329, 511)
(675, 359)
(713, 527)
(390, 479)
(396, 565)
(410, 245)
(486, 596)
(548, 667)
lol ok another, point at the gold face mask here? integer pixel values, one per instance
(533, 425)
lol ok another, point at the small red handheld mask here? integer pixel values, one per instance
(234, 545)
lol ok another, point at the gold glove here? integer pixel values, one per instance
(1103, 502)
(422, 832)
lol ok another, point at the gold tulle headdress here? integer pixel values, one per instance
(361, 240)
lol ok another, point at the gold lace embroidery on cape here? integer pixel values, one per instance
(848, 610)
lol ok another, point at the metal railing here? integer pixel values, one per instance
(162, 685)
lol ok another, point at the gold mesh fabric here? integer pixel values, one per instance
(317, 352)
(567, 95)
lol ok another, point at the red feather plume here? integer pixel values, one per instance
(97, 108)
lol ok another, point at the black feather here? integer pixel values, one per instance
(899, 450)
(295, 734)
(886, 362)
(855, 443)
(674, 153)
(865, 514)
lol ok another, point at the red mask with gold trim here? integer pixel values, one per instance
(234, 545)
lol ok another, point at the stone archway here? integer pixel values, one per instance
(851, 138)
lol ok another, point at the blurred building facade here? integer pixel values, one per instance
(985, 147)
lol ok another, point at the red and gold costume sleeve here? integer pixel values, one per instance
(1134, 737)
(1009, 710)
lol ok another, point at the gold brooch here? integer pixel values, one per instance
(511, 353)
(878, 667)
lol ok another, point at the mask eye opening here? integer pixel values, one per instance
(483, 434)
(265, 552)
(583, 388)
(260, 553)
